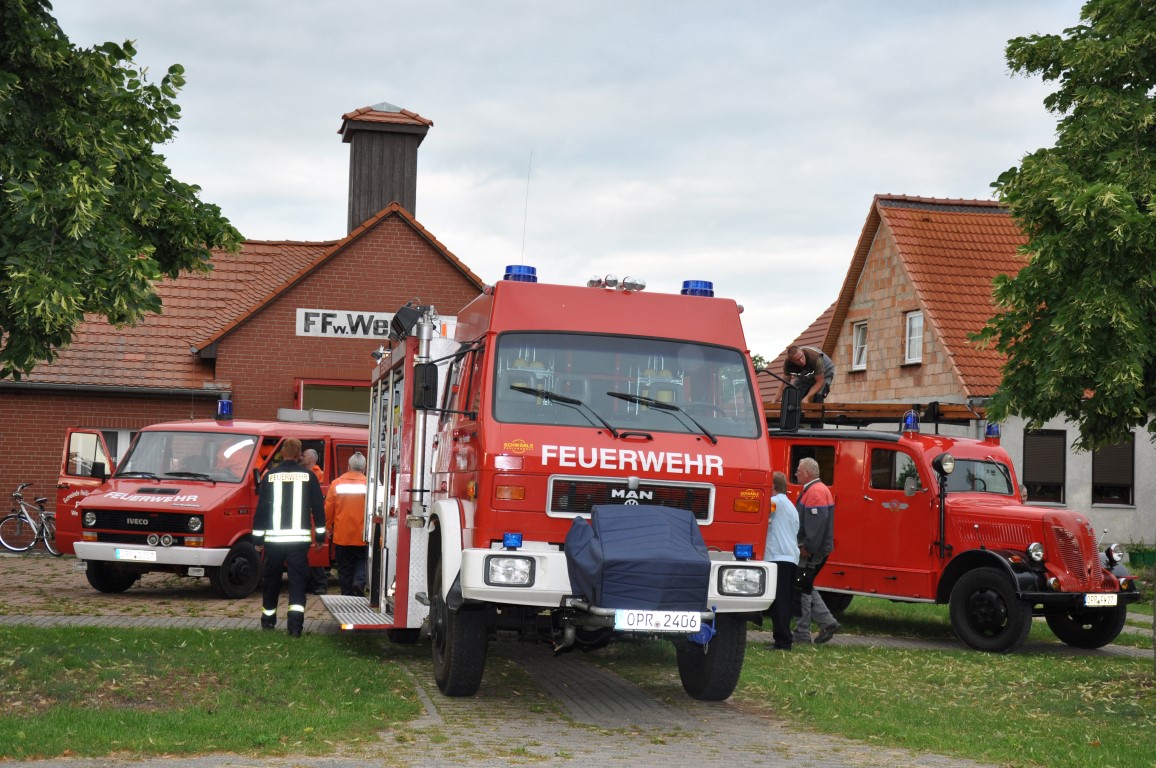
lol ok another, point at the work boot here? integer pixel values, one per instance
(826, 633)
(268, 622)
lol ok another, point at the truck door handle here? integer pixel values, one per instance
(867, 498)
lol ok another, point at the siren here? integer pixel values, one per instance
(911, 421)
(697, 288)
(519, 273)
(224, 410)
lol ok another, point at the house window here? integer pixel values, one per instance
(914, 348)
(859, 347)
(1113, 473)
(1044, 453)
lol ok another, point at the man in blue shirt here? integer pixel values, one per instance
(783, 550)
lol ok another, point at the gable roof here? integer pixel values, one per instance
(160, 354)
(952, 251)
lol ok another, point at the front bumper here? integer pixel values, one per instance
(143, 557)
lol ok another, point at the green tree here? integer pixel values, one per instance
(1078, 322)
(90, 215)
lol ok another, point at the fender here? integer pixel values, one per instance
(449, 514)
(1022, 578)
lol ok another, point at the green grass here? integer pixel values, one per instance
(92, 691)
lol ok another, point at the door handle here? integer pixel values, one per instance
(867, 498)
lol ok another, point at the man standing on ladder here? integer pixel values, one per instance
(290, 497)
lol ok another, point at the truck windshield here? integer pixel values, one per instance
(215, 456)
(972, 475)
(709, 384)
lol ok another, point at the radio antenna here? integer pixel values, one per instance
(526, 210)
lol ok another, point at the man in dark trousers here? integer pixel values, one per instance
(289, 504)
(816, 506)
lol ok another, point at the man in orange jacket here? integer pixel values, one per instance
(345, 519)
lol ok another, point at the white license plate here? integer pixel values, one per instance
(657, 621)
(136, 554)
(1099, 599)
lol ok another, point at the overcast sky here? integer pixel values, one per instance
(735, 141)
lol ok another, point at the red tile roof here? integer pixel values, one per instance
(952, 250)
(198, 310)
(393, 116)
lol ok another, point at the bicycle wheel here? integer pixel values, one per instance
(49, 534)
(16, 533)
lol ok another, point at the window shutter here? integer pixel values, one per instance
(1114, 464)
(1044, 455)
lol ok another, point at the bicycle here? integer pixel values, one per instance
(27, 524)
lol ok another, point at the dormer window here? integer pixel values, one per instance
(914, 348)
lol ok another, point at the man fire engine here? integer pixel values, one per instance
(577, 463)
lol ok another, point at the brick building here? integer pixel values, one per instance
(919, 283)
(279, 325)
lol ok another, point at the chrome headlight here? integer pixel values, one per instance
(1113, 554)
(509, 571)
(195, 523)
(740, 580)
(90, 518)
(1036, 551)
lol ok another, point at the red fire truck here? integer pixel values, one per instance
(182, 498)
(575, 464)
(932, 518)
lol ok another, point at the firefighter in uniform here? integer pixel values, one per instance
(289, 501)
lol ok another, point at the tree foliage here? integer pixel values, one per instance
(1078, 322)
(90, 216)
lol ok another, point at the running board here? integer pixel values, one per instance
(353, 613)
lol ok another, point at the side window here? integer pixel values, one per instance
(84, 449)
(890, 469)
(824, 454)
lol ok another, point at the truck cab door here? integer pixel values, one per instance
(84, 466)
(899, 528)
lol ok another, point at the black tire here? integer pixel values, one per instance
(459, 643)
(403, 636)
(238, 575)
(49, 522)
(986, 614)
(108, 578)
(836, 602)
(16, 533)
(711, 672)
(1088, 627)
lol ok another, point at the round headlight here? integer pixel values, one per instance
(167, 540)
(1036, 551)
(944, 463)
(90, 519)
(153, 539)
(195, 523)
(1113, 554)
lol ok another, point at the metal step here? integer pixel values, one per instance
(354, 613)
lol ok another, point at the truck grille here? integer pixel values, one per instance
(144, 522)
(1081, 576)
(573, 496)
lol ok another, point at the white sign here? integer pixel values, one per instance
(343, 323)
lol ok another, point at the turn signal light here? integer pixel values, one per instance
(510, 492)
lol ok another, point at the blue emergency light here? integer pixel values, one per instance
(521, 273)
(512, 540)
(697, 288)
(911, 421)
(744, 551)
(224, 410)
(991, 432)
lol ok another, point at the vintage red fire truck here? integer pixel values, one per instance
(931, 518)
(181, 500)
(575, 464)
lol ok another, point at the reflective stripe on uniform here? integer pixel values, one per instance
(269, 611)
(296, 481)
(297, 608)
(353, 488)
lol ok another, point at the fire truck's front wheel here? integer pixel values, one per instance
(1088, 627)
(459, 644)
(238, 575)
(109, 578)
(986, 614)
(710, 672)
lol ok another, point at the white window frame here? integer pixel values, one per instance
(859, 346)
(913, 348)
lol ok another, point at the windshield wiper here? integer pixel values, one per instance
(671, 408)
(131, 473)
(578, 405)
(192, 475)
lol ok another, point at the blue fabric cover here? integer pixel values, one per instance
(639, 556)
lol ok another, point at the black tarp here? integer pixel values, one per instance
(639, 556)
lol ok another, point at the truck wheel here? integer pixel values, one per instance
(711, 672)
(836, 602)
(1088, 627)
(238, 575)
(403, 636)
(986, 614)
(106, 577)
(459, 644)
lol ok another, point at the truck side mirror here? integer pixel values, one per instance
(790, 413)
(99, 471)
(425, 386)
(911, 486)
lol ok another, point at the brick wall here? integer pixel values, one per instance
(883, 297)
